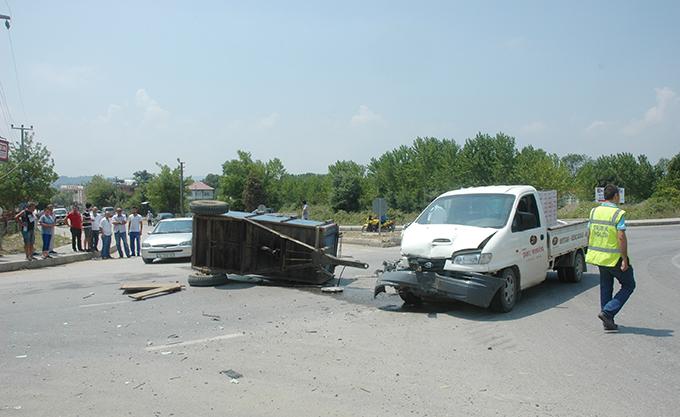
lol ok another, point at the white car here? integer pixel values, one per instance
(171, 238)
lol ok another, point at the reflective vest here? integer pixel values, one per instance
(603, 242)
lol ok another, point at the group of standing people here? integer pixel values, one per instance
(87, 228)
(106, 226)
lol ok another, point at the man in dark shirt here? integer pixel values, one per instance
(87, 226)
(75, 221)
(26, 219)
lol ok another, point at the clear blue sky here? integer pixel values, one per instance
(114, 87)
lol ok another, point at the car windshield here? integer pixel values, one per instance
(59, 211)
(479, 210)
(176, 226)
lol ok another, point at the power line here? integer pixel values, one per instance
(16, 73)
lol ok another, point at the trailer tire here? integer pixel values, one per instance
(208, 207)
(410, 298)
(508, 294)
(575, 273)
(207, 280)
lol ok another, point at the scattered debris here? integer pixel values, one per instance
(167, 352)
(213, 317)
(21, 356)
(174, 377)
(312, 331)
(173, 336)
(140, 385)
(234, 381)
(143, 290)
(332, 290)
(88, 295)
(365, 390)
(232, 374)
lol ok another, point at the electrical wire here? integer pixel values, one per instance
(16, 74)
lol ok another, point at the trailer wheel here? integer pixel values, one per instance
(410, 298)
(208, 207)
(575, 273)
(508, 293)
(207, 280)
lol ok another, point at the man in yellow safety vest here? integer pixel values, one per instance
(608, 249)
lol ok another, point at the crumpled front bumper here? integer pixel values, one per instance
(471, 288)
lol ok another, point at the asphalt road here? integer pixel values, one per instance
(73, 345)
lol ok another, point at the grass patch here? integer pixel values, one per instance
(14, 243)
(654, 208)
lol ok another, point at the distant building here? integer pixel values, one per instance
(78, 192)
(201, 191)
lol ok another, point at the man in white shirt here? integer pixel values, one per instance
(96, 219)
(135, 226)
(119, 222)
(106, 230)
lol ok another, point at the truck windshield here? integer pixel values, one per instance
(479, 210)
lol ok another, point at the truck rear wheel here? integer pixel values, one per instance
(507, 294)
(207, 280)
(574, 273)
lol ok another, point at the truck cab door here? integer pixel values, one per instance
(529, 241)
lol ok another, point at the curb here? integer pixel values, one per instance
(43, 263)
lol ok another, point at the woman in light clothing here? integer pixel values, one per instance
(47, 222)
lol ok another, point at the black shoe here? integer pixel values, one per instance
(53, 252)
(607, 321)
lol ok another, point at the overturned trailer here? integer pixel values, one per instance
(275, 246)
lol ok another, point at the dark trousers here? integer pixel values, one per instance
(612, 305)
(95, 240)
(75, 239)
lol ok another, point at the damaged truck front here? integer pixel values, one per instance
(483, 246)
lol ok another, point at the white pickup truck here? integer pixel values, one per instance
(484, 245)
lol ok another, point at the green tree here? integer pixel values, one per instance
(253, 192)
(102, 193)
(28, 175)
(487, 160)
(540, 169)
(346, 179)
(637, 175)
(163, 190)
(236, 171)
(212, 180)
(62, 199)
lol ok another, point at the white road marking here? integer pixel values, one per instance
(676, 261)
(105, 304)
(194, 342)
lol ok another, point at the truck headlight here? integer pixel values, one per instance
(185, 243)
(403, 263)
(474, 258)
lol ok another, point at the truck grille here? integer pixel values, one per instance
(425, 264)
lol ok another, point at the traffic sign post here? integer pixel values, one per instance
(380, 209)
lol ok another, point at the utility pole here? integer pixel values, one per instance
(181, 187)
(23, 129)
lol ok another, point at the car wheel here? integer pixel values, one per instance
(410, 298)
(207, 280)
(147, 260)
(507, 294)
(208, 207)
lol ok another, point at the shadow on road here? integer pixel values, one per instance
(645, 331)
(549, 294)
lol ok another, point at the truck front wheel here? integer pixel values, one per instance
(507, 294)
(410, 298)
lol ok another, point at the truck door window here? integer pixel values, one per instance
(526, 216)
